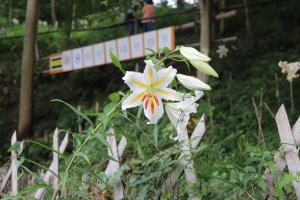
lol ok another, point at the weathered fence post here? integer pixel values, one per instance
(14, 168)
(204, 32)
(52, 172)
(118, 190)
(289, 145)
(9, 171)
(176, 173)
(55, 158)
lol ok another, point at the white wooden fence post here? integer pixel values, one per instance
(280, 163)
(14, 171)
(187, 162)
(53, 169)
(289, 145)
(190, 174)
(121, 147)
(118, 190)
(55, 158)
(9, 171)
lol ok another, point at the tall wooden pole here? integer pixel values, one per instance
(205, 32)
(53, 14)
(28, 58)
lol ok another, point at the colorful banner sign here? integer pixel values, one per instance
(125, 48)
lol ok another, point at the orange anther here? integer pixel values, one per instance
(156, 100)
(144, 97)
(146, 104)
(152, 107)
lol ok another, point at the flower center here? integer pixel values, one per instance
(150, 99)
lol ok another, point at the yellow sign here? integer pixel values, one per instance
(55, 63)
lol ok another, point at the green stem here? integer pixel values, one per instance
(166, 57)
(292, 95)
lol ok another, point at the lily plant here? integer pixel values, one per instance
(291, 70)
(152, 88)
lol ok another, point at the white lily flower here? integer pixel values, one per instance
(192, 83)
(198, 60)
(284, 66)
(222, 51)
(149, 88)
(179, 113)
(292, 70)
(15, 21)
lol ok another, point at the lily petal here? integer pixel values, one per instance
(169, 94)
(149, 72)
(135, 81)
(179, 113)
(204, 67)
(133, 100)
(191, 53)
(153, 110)
(192, 83)
(165, 77)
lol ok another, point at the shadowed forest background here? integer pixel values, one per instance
(232, 148)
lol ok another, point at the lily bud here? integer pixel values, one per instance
(192, 83)
(204, 67)
(191, 53)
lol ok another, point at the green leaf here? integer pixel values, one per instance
(84, 156)
(75, 110)
(153, 52)
(166, 50)
(15, 147)
(46, 147)
(114, 97)
(32, 189)
(116, 62)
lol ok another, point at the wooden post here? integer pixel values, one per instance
(121, 147)
(176, 173)
(280, 163)
(14, 168)
(118, 190)
(55, 158)
(9, 171)
(28, 59)
(204, 32)
(53, 167)
(288, 143)
(222, 22)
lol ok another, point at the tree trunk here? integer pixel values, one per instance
(204, 32)
(28, 59)
(9, 12)
(53, 14)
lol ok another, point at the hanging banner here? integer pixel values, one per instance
(88, 56)
(110, 46)
(125, 48)
(137, 46)
(55, 63)
(150, 42)
(99, 54)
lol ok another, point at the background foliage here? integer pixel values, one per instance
(231, 159)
